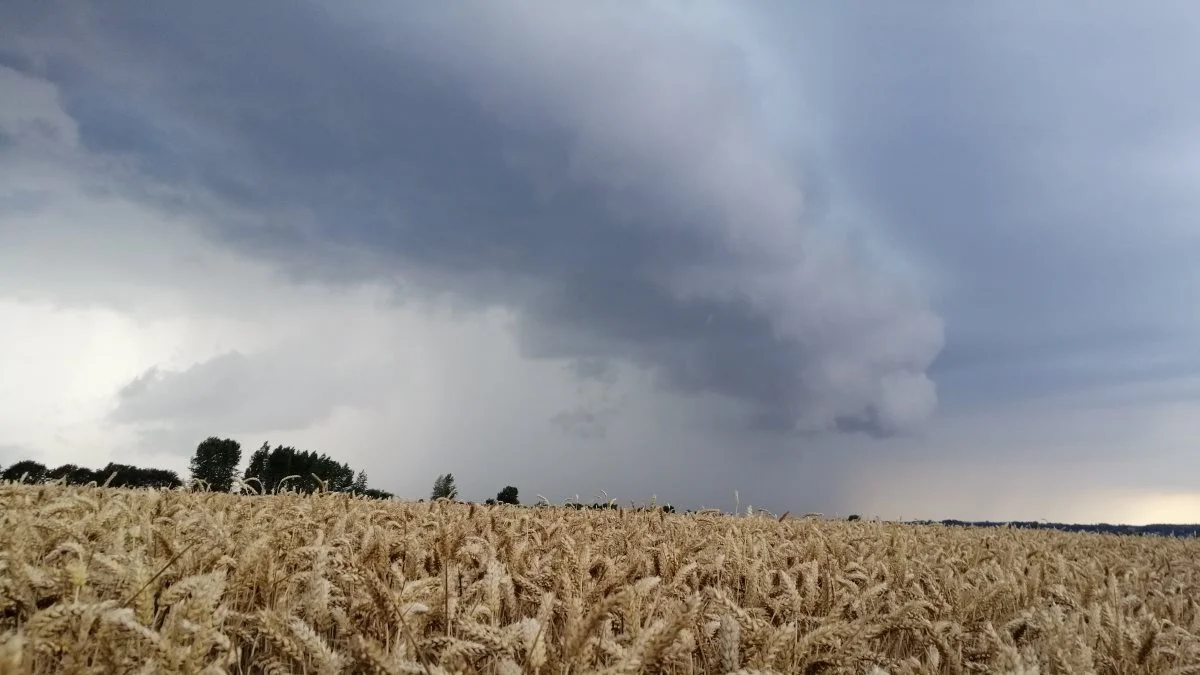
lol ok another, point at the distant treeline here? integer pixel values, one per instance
(214, 467)
(115, 475)
(284, 468)
(269, 471)
(1099, 528)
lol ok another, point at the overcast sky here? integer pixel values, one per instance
(916, 261)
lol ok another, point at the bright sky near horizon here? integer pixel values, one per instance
(909, 260)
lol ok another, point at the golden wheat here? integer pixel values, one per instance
(98, 580)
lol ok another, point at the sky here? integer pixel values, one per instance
(905, 261)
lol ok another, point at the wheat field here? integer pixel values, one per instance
(99, 580)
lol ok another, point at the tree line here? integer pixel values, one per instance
(276, 469)
(214, 467)
(444, 488)
(113, 475)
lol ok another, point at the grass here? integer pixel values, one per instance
(97, 580)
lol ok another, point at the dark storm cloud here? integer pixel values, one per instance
(617, 188)
(601, 370)
(1039, 161)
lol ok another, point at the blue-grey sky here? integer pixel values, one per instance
(825, 255)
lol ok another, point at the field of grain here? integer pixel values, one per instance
(113, 581)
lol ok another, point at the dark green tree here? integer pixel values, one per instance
(360, 482)
(115, 475)
(508, 495)
(126, 476)
(36, 471)
(443, 487)
(74, 474)
(216, 461)
(377, 494)
(271, 467)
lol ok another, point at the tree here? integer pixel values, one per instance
(216, 461)
(444, 487)
(115, 475)
(36, 471)
(270, 467)
(126, 476)
(360, 482)
(508, 496)
(74, 475)
(377, 494)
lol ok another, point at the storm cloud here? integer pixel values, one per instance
(810, 252)
(615, 186)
